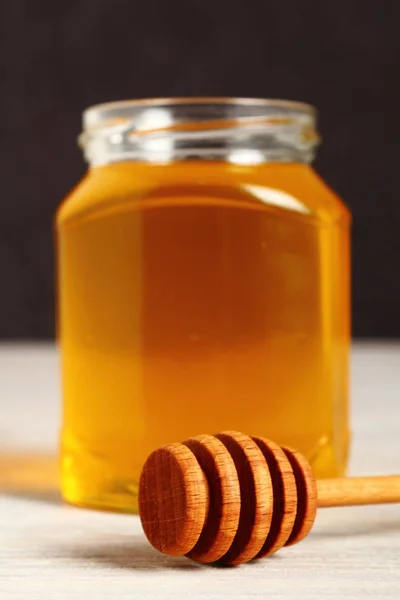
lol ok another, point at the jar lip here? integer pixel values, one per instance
(220, 128)
(94, 114)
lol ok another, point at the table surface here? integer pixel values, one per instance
(50, 550)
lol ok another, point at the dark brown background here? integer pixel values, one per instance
(59, 56)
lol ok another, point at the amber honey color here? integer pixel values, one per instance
(198, 297)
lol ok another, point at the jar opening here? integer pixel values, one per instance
(244, 131)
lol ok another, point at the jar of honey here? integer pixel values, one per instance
(203, 271)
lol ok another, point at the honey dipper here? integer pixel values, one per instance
(230, 498)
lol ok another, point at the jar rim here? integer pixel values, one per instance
(93, 114)
(158, 129)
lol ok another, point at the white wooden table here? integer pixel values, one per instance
(49, 550)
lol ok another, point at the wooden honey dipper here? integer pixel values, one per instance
(230, 498)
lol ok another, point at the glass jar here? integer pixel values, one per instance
(203, 286)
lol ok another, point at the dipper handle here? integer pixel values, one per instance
(355, 491)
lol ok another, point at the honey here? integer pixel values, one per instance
(198, 296)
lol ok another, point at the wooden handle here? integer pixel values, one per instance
(353, 491)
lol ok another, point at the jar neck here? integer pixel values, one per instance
(237, 131)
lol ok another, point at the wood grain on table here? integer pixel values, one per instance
(49, 550)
